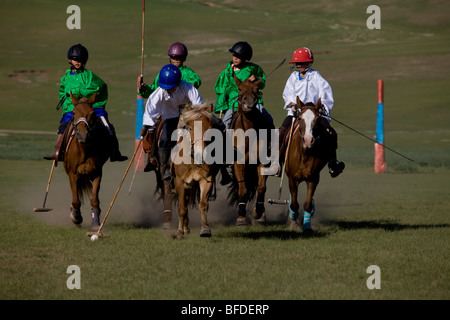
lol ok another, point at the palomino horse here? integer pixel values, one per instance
(306, 157)
(86, 152)
(193, 177)
(248, 180)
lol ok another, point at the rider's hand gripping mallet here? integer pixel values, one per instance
(99, 232)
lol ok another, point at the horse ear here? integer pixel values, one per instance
(319, 104)
(186, 107)
(299, 103)
(74, 99)
(258, 82)
(238, 82)
(210, 108)
(92, 98)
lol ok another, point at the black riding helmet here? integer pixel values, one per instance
(78, 53)
(242, 50)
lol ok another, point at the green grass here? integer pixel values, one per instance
(398, 221)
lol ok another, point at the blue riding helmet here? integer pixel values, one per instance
(169, 77)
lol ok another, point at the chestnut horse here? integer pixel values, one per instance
(86, 152)
(193, 177)
(248, 180)
(306, 157)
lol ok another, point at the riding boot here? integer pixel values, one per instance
(115, 152)
(164, 157)
(226, 178)
(57, 145)
(335, 167)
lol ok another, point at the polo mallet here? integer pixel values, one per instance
(279, 201)
(135, 170)
(276, 68)
(99, 231)
(142, 41)
(43, 208)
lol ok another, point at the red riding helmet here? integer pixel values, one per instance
(302, 55)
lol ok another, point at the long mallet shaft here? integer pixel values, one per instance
(286, 157)
(44, 209)
(117, 192)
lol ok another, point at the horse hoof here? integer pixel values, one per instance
(187, 230)
(166, 225)
(205, 232)
(294, 225)
(75, 215)
(241, 221)
(307, 232)
(179, 235)
(260, 220)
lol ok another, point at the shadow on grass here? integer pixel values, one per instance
(270, 231)
(386, 225)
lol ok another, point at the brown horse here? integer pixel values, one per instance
(193, 177)
(86, 152)
(248, 180)
(306, 157)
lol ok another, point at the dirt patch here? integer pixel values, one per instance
(28, 76)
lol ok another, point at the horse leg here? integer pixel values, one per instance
(242, 195)
(293, 204)
(182, 209)
(203, 205)
(308, 206)
(75, 212)
(167, 198)
(259, 213)
(95, 204)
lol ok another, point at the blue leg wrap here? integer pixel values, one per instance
(306, 220)
(293, 215)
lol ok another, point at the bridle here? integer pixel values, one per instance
(82, 119)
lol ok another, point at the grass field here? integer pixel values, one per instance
(398, 221)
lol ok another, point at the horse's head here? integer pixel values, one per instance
(84, 118)
(248, 93)
(309, 116)
(196, 120)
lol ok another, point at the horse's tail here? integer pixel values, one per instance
(84, 187)
(251, 183)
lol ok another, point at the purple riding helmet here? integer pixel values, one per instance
(178, 50)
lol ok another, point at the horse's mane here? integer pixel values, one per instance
(198, 111)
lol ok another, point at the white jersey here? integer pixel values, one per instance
(161, 103)
(308, 89)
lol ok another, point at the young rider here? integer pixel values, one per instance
(226, 89)
(165, 102)
(309, 86)
(81, 82)
(177, 53)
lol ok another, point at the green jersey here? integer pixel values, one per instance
(226, 88)
(187, 74)
(82, 83)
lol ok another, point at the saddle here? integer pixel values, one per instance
(150, 145)
(62, 144)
